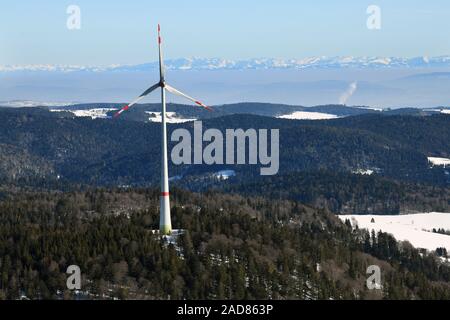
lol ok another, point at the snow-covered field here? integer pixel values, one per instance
(415, 228)
(99, 113)
(446, 111)
(439, 161)
(171, 117)
(305, 115)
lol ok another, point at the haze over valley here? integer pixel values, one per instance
(376, 82)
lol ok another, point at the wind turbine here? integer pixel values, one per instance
(165, 223)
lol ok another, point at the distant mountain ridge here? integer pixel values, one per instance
(143, 112)
(319, 62)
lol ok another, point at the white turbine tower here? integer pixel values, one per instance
(165, 224)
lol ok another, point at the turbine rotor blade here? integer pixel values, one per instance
(181, 94)
(142, 96)
(161, 60)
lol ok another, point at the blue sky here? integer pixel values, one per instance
(123, 32)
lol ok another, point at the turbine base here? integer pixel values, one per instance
(165, 230)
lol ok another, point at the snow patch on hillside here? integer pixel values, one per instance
(305, 115)
(98, 113)
(372, 108)
(439, 161)
(415, 228)
(364, 172)
(171, 117)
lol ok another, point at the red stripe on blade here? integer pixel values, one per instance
(201, 104)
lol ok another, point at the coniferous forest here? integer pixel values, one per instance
(234, 248)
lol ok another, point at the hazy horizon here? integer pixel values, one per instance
(376, 88)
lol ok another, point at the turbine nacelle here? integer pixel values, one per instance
(161, 84)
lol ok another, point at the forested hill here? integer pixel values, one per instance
(233, 248)
(429, 135)
(98, 151)
(341, 145)
(42, 149)
(340, 192)
(139, 112)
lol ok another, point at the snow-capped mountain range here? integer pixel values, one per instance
(249, 64)
(31, 104)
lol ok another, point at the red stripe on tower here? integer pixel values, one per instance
(165, 194)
